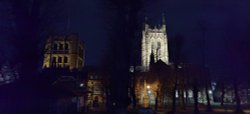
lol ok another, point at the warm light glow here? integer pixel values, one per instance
(148, 87)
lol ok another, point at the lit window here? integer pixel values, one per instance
(131, 69)
(176, 94)
(190, 94)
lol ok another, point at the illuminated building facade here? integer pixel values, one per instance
(64, 52)
(154, 41)
(96, 98)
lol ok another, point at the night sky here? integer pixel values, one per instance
(227, 24)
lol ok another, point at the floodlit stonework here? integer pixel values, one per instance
(154, 41)
(64, 52)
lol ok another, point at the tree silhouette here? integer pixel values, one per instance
(123, 28)
(31, 20)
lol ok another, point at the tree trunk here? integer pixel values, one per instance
(195, 92)
(222, 95)
(182, 92)
(174, 97)
(238, 108)
(209, 109)
(183, 106)
(156, 101)
(186, 93)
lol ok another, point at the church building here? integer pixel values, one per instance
(154, 51)
(64, 52)
(155, 42)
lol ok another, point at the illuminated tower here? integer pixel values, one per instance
(64, 52)
(154, 41)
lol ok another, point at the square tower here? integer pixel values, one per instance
(64, 52)
(154, 42)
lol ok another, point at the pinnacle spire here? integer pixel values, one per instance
(163, 22)
(163, 19)
(146, 22)
(145, 19)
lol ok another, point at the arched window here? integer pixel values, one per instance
(55, 46)
(66, 46)
(65, 59)
(59, 59)
(158, 45)
(60, 46)
(152, 46)
(54, 60)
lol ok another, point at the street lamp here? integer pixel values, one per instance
(148, 87)
(81, 85)
(179, 66)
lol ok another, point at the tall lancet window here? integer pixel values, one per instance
(158, 50)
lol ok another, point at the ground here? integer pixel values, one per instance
(189, 110)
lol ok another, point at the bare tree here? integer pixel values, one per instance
(123, 27)
(196, 72)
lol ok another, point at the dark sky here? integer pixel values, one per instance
(88, 21)
(227, 24)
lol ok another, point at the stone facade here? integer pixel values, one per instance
(154, 41)
(64, 52)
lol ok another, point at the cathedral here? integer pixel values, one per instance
(157, 77)
(154, 51)
(154, 42)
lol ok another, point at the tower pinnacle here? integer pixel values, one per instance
(154, 45)
(163, 19)
(163, 26)
(146, 26)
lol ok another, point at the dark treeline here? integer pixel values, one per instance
(28, 23)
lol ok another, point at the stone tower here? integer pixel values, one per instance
(154, 41)
(64, 52)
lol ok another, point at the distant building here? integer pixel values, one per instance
(154, 41)
(96, 98)
(8, 74)
(156, 73)
(64, 52)
(63, 64)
